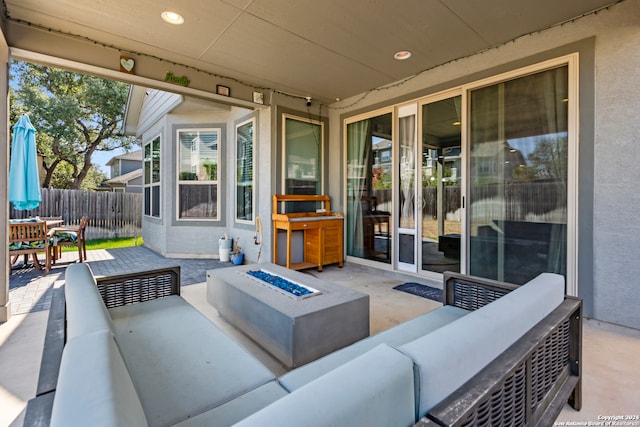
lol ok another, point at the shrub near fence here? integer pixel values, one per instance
(110, 214)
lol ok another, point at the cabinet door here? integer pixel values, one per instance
(332, 243)
(311, 245)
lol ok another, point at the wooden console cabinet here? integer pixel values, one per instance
(323, 232)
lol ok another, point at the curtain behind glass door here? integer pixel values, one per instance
(518, 177)
(407, 189)
(369, 186)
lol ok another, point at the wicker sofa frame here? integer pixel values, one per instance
(528, 384)
(116, 291)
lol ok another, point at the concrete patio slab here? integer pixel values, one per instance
(611, 384)
(611, 375)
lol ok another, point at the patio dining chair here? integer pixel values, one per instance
(69, 235)
(29, 237)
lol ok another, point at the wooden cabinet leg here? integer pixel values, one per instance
(275, 245)
(321, 249)
(288, 248)
(341, 246)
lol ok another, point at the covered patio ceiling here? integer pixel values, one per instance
(324, 49)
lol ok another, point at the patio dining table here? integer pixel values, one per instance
(51, 222)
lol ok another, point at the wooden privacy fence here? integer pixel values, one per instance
(110, 214)
(513, 201)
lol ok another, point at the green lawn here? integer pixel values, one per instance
(120, 242)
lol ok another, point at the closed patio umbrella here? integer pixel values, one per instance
(24, 180)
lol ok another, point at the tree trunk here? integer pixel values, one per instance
(49, 174)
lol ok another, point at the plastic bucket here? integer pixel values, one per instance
(224, 254)
(225, 243)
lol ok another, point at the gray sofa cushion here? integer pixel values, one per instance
(448, 357)
(239, 408)
(396, 336)
(94, 388)
(86, 313)
(181, 364)
(374, 389)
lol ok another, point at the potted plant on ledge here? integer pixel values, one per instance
(237, 257)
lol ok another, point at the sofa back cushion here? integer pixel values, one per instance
(237, 409)
(374, 389)
(86, 313)
(448, 357)
(94, 388)
(394, 337)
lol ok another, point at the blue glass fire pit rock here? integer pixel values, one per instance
(280, 283)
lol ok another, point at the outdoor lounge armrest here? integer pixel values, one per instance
(526, 385)
(118, 290)
(132, 288)
(471, 292)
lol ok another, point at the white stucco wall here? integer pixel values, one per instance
(174, 238)
(264, 184)
(611, 284)
(185, 238)
(152, 228)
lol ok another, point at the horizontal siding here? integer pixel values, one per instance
(155, 106)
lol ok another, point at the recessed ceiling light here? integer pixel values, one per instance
(402, 55)
(172, 17)
(456, 123)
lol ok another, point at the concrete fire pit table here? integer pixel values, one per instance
(296, 329)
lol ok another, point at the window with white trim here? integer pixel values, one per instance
(245, 183)
(152, 178)
(198, 165)
(303, 149)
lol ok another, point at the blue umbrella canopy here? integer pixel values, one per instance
(24, 180)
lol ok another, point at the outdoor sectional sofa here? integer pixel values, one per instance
(136, 354)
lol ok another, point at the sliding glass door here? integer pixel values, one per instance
(518, 177)
(480, 179)
(441, 183)
(369, 188)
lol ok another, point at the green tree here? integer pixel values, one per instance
(550, 157)
(548, 160)
(63, 178)
(75, 115)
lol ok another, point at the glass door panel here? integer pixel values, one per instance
(441, 172)
(407, 200)
(518, 177)
(369, 188)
